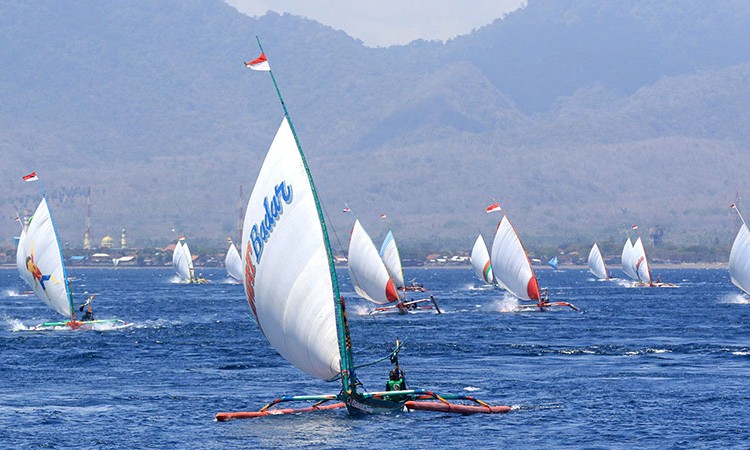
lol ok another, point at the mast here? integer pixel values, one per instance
(347, 364)
(87, 230)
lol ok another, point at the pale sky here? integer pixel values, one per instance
(390, 22)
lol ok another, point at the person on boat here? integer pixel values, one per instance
(89, 314)
(396, 380)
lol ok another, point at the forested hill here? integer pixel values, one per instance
(579, 117)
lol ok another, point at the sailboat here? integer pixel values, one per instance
(596, 263)
(635, 264)
(553, 262)
(371, 278)
(390, 255)
(233, 262)
(182, 261)
(41, 265)
(511, 266)
(739, 257)
(292, 288)
(480, 261)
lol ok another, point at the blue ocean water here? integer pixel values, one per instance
(641, 368)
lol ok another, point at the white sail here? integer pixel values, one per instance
(367, 271)
(392, 259)
(739, 260)
(480, 261)
(288, 280)
(641, 262)
(41, 264)
(596, 263)
(20, 257)
(182, 260)
(233, 262)
(628, 260)
(510, 263)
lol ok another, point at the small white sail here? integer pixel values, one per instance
(739, 260)
(510, 263)
(628, 260)
(392, 259)
(480, 261)
(596, 263)
(182, 260)
(288, 280)
(20, 257)
(40, 262)
(233, 262)
(367, 271)
(641, 262)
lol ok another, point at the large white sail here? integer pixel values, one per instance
(182, 260)
(367, 271)
(629, 260)
(641, 262)
(41, 264)
(596, 263)
(480, 261)
(510, 263)
(233, 262)
(739, 260)
(392, 259)
(288, 281)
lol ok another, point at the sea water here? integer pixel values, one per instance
(635, 367)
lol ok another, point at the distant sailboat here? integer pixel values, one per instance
(233, 262)
(371, 278)
(739, 257)
(596, 263)
(392, 259)
(480, 261)
(511, 266)
(553, 262)
(636, 265)
(641, 262)
(292, 289)
(182, 261)
(41, 265)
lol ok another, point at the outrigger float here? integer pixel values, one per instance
(292, 288)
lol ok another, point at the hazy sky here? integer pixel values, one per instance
(390, 22)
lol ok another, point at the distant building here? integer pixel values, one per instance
(107, 242)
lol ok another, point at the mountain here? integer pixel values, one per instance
(580, 117)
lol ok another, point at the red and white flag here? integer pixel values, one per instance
(259, 63)
(346, 210)
(635, 227)
(383, 216)
(733, 206)
(30, 177)
(493, 207)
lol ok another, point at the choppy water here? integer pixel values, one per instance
(643, 368)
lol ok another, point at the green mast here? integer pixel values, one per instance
(347, 364)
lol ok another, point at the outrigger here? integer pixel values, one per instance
(292, 288)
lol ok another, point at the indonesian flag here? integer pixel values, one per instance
(635, 227)
(733, 206)
(260, 63)
(493, 207)
(346, 210)
(383, 216)
(30, 177)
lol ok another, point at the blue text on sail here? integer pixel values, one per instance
(274, 208)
